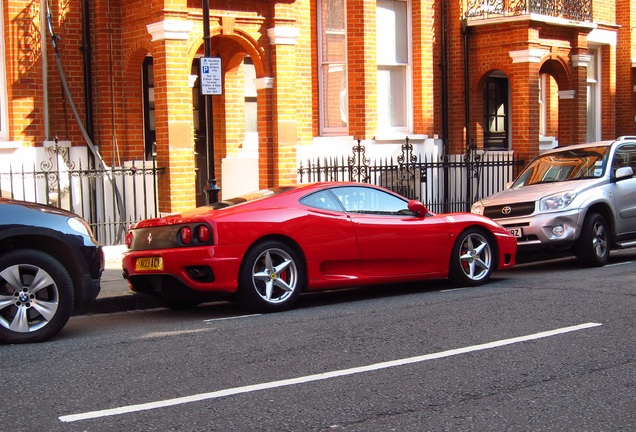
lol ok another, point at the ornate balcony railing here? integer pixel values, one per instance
(576, 10)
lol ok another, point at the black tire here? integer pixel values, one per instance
(472, 260)
(593, 246)
(36, 296)
(271, 278)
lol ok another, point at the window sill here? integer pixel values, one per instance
(399, 137)
(10, 144)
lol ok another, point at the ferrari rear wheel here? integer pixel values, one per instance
(272, 276)
(472, 260)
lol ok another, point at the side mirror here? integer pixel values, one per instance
(418, 208)
(623, 172)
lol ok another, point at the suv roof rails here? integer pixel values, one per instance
(626, 137)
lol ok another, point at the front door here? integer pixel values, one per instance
(496, 113)
(150, 134)
(624, 193)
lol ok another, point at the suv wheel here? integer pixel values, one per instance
(592, 247)
(36, 296)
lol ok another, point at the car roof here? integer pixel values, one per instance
(605, 143)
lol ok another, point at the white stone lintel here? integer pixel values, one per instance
(532, 55)
(264, 83)
(170, 30)
(581, 60)
(283, 35)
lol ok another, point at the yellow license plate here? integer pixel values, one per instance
(151, 263)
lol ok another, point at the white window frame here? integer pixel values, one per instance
(594, 101)
(407, 67)
(4, 102)
(543, 80)
(335, 66)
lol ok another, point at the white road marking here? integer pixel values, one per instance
(317, 377)
(453, 289)
(172, 333)
(617, 264)
(230, 318)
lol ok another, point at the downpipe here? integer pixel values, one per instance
(87, 138)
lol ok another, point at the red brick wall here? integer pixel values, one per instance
(288, 112)
(362, 64)
(625, 72)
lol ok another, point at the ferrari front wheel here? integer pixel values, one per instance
(272, 276)
(472, 259)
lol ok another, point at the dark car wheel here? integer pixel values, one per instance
(36, 296)
(592, 247)
(472, 259)
(272, 276)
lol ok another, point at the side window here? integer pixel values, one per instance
(625, 156)
(368, 200)
(321, 200)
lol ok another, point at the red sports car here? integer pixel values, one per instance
(266, 248)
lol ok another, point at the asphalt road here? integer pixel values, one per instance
(545, 346)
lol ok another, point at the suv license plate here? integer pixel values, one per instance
(151, 263)
(516, 232)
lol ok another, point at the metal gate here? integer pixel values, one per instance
(452, 183)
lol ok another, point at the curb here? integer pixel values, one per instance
(118, 303)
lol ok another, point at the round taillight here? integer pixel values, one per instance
(203, 233)
(129, 238)
(186, 235)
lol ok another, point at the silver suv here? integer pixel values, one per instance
(579, 198)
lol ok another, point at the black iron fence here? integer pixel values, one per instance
(452, 183)
(108, 199)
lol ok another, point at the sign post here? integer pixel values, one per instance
(212, 82)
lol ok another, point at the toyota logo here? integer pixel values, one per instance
(506, 210)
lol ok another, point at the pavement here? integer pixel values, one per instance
(115, 295)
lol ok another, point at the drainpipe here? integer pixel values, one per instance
(445, 114)
(45, 66)
(469, 156)
(466, 83)
(88, 73)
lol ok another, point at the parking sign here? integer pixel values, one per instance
(211, 82)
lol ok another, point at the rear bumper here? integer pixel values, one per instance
(202, 269)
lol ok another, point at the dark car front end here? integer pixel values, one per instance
(58, 233)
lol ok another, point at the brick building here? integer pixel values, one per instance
(310, 74)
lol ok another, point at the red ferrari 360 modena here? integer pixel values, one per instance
(267, 247)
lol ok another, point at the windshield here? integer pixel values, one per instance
(573, 164)
(249, 197)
